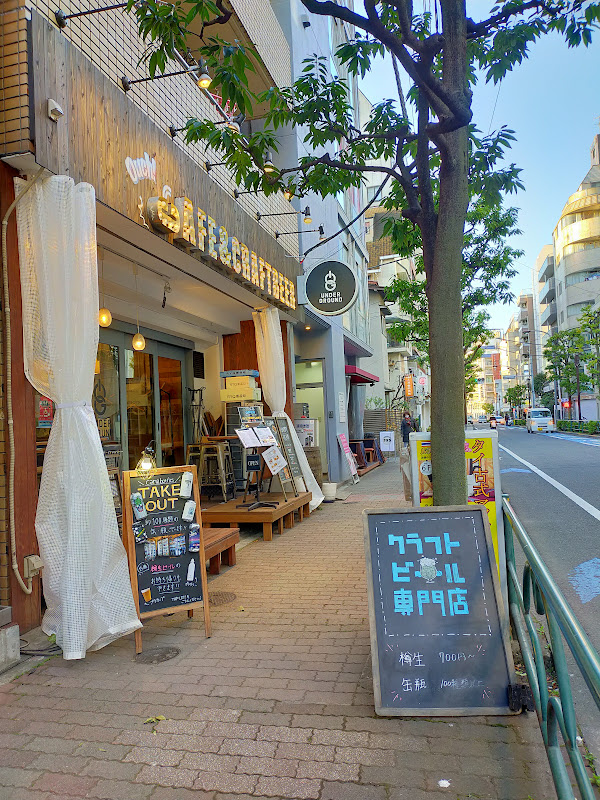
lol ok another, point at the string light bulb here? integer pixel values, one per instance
(147, 461)
(321, 233)
(269, 166)
(288, 194)
(307, 216)
(204, 79)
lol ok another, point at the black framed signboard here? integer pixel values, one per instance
(164, 542)
(439, 632)
(283, 426)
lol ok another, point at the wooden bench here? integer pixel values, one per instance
(219, 544)
(283, 514)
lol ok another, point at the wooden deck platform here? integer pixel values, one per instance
(226, 514)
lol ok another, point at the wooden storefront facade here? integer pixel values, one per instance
(105, 139)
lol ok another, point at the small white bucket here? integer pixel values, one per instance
(329, 490)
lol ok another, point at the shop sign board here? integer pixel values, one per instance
(233, 373)
(240, 381)
(240, 393)
(409, 386)
(387, 441)
(439, 633)
(191, 226)
(104, 428)
(252, 462)
(286, 472)
(165, 549)
(45, 413)
(307, 431)
(483, 482)
(331, 287)
(349, 456)
(274, 459)
(250, 415)
(342, 406)
(287, 443)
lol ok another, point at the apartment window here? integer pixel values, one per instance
(574, 310)
(559, 288)
(562, 317)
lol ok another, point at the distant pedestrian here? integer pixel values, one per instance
(506, 419)
(407, 426)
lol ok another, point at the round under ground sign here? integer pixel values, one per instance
(331, 287)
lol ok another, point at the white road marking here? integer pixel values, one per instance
(589, 442)
(591, 510)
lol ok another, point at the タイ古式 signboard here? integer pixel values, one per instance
(164, 541)
(439, 634)
(483, 483)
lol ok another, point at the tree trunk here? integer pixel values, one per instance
(445, 329)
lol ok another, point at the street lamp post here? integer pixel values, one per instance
(576, 360)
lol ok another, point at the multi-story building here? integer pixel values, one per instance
(328, 350)
(570, 277)
(406, 383)
(492, 376)
(528, 335)
(76, 99)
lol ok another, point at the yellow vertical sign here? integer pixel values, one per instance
(480, 478)
(409, 386)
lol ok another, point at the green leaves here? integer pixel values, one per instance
(562, 351)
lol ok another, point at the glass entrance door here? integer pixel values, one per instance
(140, 398)
(171, 411)
(140, 403)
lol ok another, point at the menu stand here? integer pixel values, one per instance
(257, 502)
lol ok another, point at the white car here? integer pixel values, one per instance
(539, 419)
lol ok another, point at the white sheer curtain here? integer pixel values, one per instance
(271, 366)
(86, 578)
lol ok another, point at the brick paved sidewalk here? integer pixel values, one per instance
(278, 703)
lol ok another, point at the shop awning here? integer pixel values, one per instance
(358, 375)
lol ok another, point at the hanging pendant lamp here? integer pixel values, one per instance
(138, 342)
(104, 315)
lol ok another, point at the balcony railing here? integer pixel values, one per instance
(548, 291)
(549, 314)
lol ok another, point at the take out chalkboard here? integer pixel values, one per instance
(439, 631)
(167, 565)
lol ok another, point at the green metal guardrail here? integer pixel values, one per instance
(555, 714)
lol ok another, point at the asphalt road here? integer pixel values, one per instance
(566, 535)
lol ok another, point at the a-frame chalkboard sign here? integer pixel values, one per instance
(167, 565)
(439, 631)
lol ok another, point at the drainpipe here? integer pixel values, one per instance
(26, 587)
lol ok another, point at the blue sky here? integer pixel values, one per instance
(552, 102)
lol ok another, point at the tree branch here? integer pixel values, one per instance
(477, 29)
(332, 162)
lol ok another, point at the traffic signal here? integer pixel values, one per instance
(566, 404)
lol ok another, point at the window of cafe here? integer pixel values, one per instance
(138, 398)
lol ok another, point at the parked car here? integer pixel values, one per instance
(481, 419)
(539, 419)
(470, 420)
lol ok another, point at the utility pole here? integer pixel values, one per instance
(576, 360)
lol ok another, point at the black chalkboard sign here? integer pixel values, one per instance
(439, 633)
(167, 564)
(289, 450)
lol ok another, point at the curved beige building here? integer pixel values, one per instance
(576, 278)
